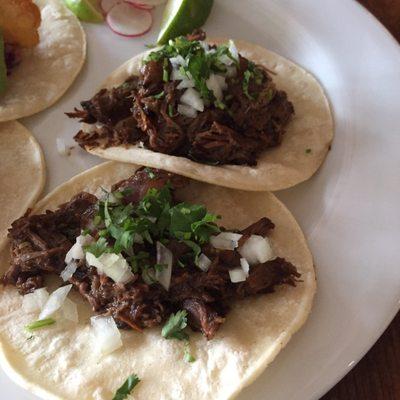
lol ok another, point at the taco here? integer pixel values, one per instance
(42, 50)
(223, 112)
(144, 250)
(22, 173)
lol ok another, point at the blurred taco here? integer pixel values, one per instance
(42, 50)
(22, 173)
(224, 112)
(144, 250)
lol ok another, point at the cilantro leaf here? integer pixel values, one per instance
(99, 247)
(187, 356)
(127, 387)
(173, 329)
(39, 324)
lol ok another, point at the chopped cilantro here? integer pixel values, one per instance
(98, 248)
(171, 110)
(174, 328)
(187, 356)
(159, 95)
(150, 173)
(127, 387)
(39, 324)
(165, 71)
(246, 81)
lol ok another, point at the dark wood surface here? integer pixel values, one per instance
(377, 375)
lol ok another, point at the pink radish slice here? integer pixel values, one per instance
(141, 5)
(107, 5)
(127, 20)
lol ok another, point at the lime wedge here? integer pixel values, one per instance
(85, 10)
(182, 17)
(3, 68)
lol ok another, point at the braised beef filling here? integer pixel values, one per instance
(206, 103)
(142, 223)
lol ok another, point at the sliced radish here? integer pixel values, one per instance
(141, 5)
(127, 20)
(107, 5)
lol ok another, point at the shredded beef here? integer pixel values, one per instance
(40, 242)
(236, 135)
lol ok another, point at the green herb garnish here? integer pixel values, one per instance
(159, 95)
(187, 356)
(39, 324)
(174, 328)
(123, 392)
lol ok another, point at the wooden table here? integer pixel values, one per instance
(377, 376)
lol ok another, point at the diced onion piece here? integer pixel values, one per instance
(108, 336)
(61, 147)
(226, 240)
(233, 50)
(237, 275)
(231, 71)
(113, 265)
(164, 257)
(185, 84)
(70, 310)
(226, 60)
(177, 61)
(69, 270)
(192, 98)
(76, 251)
(204, 262)
(216, 84)
(177, 75)
(55, 301)
(245, 266)
(35, 301)
(256, 250)
(128, 20)
(187, 111)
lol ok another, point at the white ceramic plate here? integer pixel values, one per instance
(349, 211)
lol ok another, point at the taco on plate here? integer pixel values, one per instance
(133, 258)
(42, 50)
(223, 112)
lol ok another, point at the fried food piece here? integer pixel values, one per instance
(19, 21)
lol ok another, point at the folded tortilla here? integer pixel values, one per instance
(22, 173)
(59, 362)
(49, 69)
(304, 146)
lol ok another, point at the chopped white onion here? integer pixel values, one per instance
(76, 251)
(69, 270)
(55, 301)
(226, 240)
(192, 98)
(237, 275)
(216, 84)
(177, 61)
(256, 250)
(245, 266)
(113, 265)
(164, 257)
(226, 60)
(108, 336)
(177, 75)
(233, 50)
(35, 301)
(152, 219)
(62, 147)
(205, 46)
(70, 311)
(187, 111)
(204, 262)
(185, 84)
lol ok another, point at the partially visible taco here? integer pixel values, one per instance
(43, 48)
(144, 250)
(224, 112)
(22, 173)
